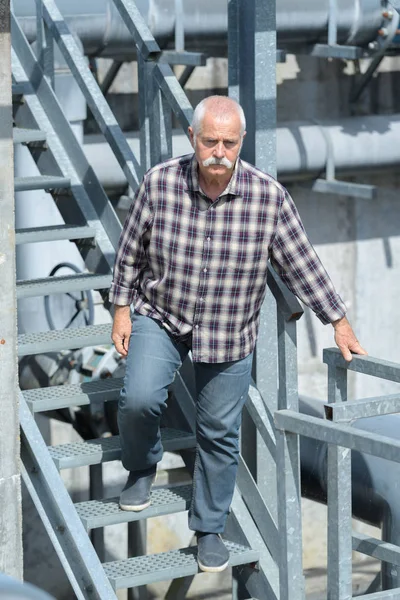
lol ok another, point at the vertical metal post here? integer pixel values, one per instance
(291, 579)
(137, 546)
(332, 24)
(339, 503)
(97, 493)
(252, 82)
(44, 45)
(10, 483)
(155, 118)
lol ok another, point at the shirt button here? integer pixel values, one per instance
(208, 239)
(196, 326)
(204, 270)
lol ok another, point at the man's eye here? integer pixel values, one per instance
(230, 144)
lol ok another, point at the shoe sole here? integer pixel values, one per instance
(135, 508)
(212, 569)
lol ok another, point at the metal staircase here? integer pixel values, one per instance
(90, 222)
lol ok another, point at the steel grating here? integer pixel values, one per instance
(26, 136)
(168, 565)
(100, 513)
(93, 452)
(61, 285)
(53, 233)
(63, 396)
(65, 339)
(42, 182)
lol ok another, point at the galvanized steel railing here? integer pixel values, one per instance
(341, 439)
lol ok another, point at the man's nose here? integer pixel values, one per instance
(219, 150)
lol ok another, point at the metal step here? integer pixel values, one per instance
(93, 452)
(64, 339)
(27, 136)
(168, 565)
(164, 501)
(61, 285)
(42, 182)
(64, 396)
(53, 233)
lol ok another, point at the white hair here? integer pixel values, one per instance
(221, 106)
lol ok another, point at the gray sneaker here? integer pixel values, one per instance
(136, 494)
(212, 554)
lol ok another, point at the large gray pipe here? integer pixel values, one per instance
(102, 32)
(358, 143)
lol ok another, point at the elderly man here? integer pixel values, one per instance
(192, 261)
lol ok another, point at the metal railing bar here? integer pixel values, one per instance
(288, 304)
(174, 94)
(258, 509)
(133, 19)
(339, 435)
(92, 93)
(386, 595)
(359, 409)
(262, 419)
(367, 365)
(375, 548)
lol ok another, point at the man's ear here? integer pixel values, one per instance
(191, 135)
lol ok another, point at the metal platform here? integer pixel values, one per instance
(168, 565)
(53, 233)
(64, 396)
(101, 513)
(63, 284)
(65, 339)
(93, 452)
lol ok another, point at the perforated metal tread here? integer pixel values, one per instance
(168, 565)
(65, 339)
(93, 452)
(63, 396)
(100, 513)
(25, 136)
(42, 182)
(63, 284)
(53, 233)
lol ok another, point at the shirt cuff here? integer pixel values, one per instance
(122, 296)
(332, 313)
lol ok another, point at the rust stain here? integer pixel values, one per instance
(2, 342)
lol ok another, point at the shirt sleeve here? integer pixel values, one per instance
(131, 255)
(298, 265)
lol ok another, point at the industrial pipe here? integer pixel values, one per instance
(103, 33)
(358, 143)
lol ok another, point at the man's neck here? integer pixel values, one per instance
(214, 186)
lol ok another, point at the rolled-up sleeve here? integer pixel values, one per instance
(131, 256)
(297, 263)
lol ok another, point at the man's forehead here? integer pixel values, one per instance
(227, 123)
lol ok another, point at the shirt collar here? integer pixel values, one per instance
(233, 186)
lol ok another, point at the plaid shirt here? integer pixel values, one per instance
(200, 267)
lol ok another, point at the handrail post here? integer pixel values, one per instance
(291, 579)
(10, 483)
(339, 502)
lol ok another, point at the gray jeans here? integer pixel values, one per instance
(153, 359)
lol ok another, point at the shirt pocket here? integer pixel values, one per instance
(247, 253)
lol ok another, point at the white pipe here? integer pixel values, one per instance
(358, 143)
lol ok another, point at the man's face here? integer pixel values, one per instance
(217, 145)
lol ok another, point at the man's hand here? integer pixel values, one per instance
(345, 339)
(122, 327)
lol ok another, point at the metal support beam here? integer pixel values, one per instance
(339, 503)
(10, 484)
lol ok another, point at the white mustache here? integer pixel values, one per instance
(218, 161)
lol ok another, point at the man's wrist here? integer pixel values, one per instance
(339, 322)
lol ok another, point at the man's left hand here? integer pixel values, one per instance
(346, 340)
